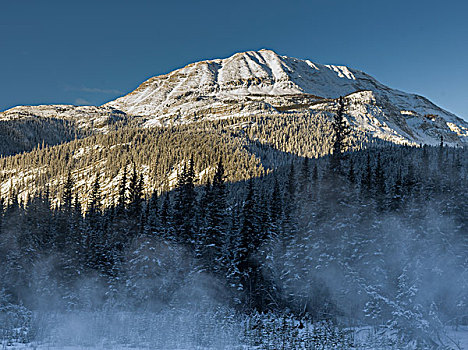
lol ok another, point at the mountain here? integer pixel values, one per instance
(245, 84)
(84, 117)
(263, 82)
(249, 147)
(256, 108)
(24, 127)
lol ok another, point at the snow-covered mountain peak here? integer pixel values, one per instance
(264, 82)
(242, 74)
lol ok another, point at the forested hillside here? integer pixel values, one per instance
(24, 135)
(371, 237)
(25, 128)
(249, 146)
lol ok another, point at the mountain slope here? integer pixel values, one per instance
(24, 127)
(264, 82)
(246, 84)
(249, 147)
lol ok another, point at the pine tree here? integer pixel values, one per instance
(276, 210)
(122, 195)
(184, 206)
(396, 192)
(379, 180)
(95, 199)
(341, 133)
(351, 175)
(216, 225)
(152, 213)
(366, 178)
(290, 205)
(64, 215)
(135, 200)
(2, 208)
(93, 231)
(165, 217)
(304, 179)
(67, 196)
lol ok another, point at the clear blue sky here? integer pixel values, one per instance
(81, 52)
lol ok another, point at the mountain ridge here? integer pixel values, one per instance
(257, 82)
(266, 83)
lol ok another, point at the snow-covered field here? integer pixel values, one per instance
(460, 341)
(460, 337)
(207, 331)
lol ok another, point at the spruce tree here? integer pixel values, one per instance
(2, 208)
(396, 192)
(65, 214)
(67, 196)
(153, 218)
(276, 210)
(95, 199)
(216, 225)
(304, 179)
(314, 186)
(341, 133)
(203, 204)
(379, 189)
(166, 217)
(366, 178)
(248, 266)
(351, 174)
(135, 200)
(249, 227)
(184, 207)
(290, 205)
(94, 231)
(440, 155)
(122, 192)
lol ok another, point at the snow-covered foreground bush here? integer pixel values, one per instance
(15, 321)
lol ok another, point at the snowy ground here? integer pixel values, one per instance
(200, 330)
(460, 336)
(364, 340)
